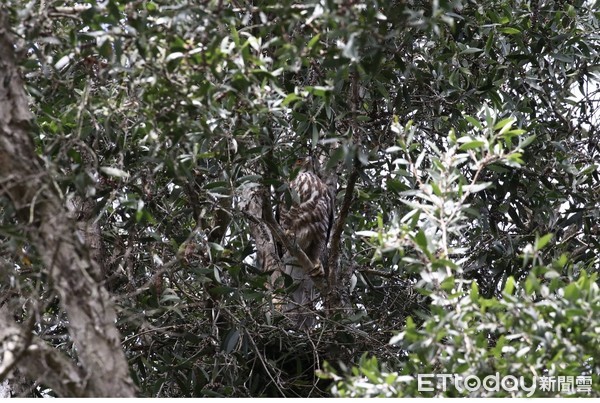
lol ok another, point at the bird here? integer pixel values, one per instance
(307, 221)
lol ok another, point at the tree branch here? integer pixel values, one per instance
(338, 279)
(251, 206)
(37, 360)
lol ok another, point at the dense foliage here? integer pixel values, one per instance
(472, 233)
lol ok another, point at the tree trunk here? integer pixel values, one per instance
(69, 267)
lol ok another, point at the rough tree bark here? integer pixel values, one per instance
(37, 359)
(101, 369)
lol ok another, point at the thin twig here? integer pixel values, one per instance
(256, 349)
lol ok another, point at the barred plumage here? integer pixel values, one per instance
(307, 222)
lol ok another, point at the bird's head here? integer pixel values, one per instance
(303, 164)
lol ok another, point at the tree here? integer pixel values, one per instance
(535, 330)
(160, 137)
(43, 218)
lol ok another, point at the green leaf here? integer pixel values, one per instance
(474, 294)
(572, 292)
(319, 91)
(231, 340)
(290, 99)
(448, 284)
(421, 240)
(514, 159)
(338, 155)
(532, 284)
(468, 51)
(471, 145)
(510, 31)
(235, 35)
(476, 123)
(510, 286)
(564, 58)
(528, 140)
(313, 41)
(543, 241)
(503, 123)
(489, 43)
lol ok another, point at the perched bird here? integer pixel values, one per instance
(307, 221)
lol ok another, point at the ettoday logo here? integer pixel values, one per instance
(560, 385)
(472, 383)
